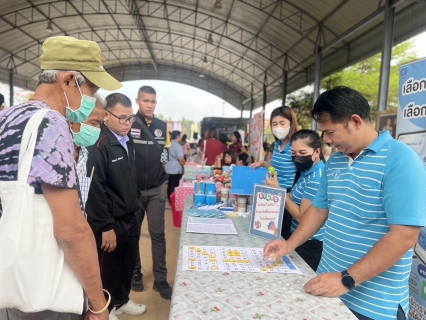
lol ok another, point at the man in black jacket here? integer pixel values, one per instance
(150, 137)
(112, 203)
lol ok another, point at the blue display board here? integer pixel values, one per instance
(267, 212)
(244, 179)
(411, 118)
(411, 130)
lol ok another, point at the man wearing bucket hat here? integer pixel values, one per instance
(71, 73)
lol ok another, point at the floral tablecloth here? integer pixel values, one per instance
(242, 296)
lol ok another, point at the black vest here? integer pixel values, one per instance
(150, 171)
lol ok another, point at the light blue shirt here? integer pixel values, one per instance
(307, 187)
(383, 186)
(173, 166)
(122, 139)
(284, 166)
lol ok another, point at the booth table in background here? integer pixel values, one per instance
(238, 295)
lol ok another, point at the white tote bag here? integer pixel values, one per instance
(34, 275)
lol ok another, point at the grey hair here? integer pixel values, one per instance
(100, 99)
(51, 76)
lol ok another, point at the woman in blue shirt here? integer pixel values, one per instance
(284, 125)
(309, 161)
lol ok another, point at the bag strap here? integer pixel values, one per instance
(28, 142)
(148, 133)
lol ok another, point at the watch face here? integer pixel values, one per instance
(348, 281)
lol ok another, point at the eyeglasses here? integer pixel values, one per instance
(124, 120)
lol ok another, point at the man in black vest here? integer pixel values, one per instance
(150, 138)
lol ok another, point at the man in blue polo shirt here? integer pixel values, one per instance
(372, 198)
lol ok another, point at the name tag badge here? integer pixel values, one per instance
(135, 132)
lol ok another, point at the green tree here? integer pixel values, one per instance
(364, 77)
(302, 103)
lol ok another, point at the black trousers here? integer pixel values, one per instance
(311, 252)
(117, 266)
(286, 225)
(153, 203)
(173, 183)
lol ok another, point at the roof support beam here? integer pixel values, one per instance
(133, 9)
(262, 26)
(376, 14)
(317, 83)
(386, 56)
(285, 79)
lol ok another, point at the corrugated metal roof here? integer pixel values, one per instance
(251, 38)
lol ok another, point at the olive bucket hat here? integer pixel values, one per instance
(68, 53)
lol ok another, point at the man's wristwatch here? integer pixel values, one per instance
(347, 280)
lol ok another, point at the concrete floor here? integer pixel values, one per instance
(157, 308)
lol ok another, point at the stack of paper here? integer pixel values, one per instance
(210, 225)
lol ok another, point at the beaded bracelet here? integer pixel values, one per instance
(104, 308)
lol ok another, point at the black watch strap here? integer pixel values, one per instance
(347, 280)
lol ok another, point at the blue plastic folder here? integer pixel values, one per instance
(244, 179)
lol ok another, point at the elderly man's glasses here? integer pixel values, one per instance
(124, 120)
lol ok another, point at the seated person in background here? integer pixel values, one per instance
(228, 159)
(244, 159)
(308, 159)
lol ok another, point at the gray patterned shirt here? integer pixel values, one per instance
(53, 161)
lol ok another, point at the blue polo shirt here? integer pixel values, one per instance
(384, 185)
(307, 187)
(284, 165)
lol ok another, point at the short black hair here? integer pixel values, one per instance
(114, 98)
(340, 103)
(1, 99)
(147, 89)
(237, 135)
(311, 138)
(175, 134)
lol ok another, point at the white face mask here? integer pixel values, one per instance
(281, 133)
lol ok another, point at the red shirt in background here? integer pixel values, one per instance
(236, 147)
(213, 149)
